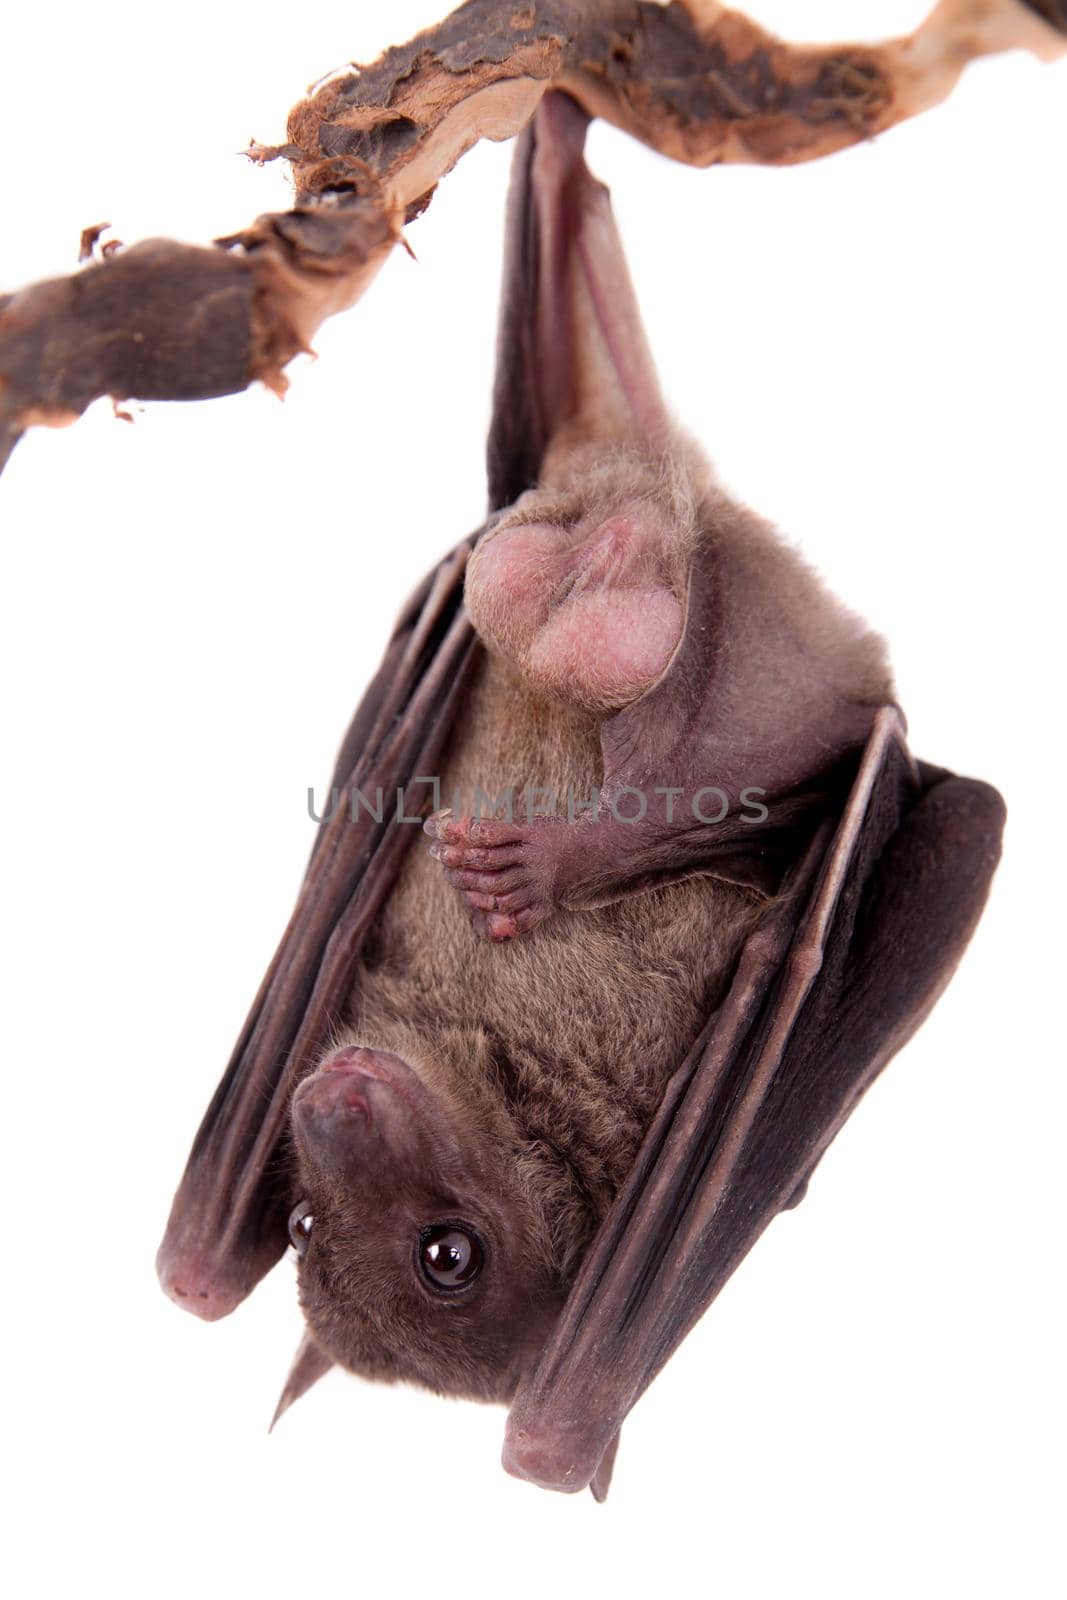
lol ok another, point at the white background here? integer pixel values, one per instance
(874, 349)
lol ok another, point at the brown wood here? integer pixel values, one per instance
(697, 82)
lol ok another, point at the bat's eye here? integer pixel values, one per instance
(450, 1257)
(301, 1223)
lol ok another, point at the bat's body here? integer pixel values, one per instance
(565, 1037)
(533, 1093)
(555, 1047)
(594, 1006)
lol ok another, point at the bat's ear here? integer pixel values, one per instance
(573, 365)
(309, 1365)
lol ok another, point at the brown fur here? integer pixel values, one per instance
(582, 1022)
(796, 651)
(549, 1055)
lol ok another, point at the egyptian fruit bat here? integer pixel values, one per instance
(523, 1092)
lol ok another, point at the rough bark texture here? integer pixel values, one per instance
(166, 321)
(697, 82)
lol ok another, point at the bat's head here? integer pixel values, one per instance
(423, 1254)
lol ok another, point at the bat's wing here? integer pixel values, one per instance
(228, 1223)
(852, 955)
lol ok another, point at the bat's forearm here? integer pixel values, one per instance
(515, 873)
(645, 837)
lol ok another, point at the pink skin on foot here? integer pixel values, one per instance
(502, 870)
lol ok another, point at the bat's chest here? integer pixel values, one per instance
(608, 999)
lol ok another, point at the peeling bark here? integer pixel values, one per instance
(699, 83)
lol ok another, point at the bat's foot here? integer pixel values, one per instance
(503, 870)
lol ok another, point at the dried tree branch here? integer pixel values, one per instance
(695, 81)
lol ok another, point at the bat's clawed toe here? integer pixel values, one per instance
(504, 925)
(494, 866)
(470, 833)
(506, 917)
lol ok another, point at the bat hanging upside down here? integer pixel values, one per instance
(523, 1099)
